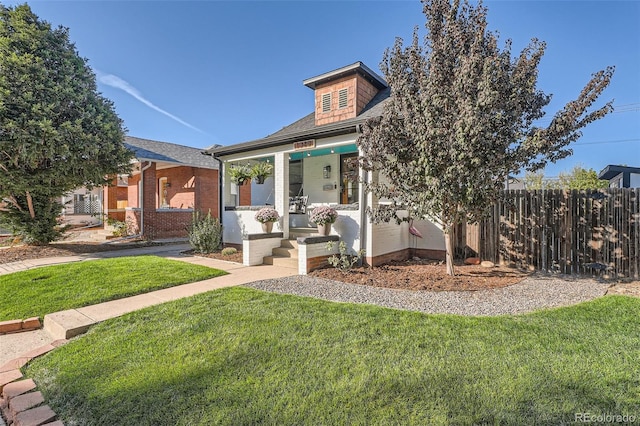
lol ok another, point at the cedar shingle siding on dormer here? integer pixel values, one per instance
(359, 94)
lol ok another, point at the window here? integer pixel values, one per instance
(342, 98)
(162, 192)
(326, 102)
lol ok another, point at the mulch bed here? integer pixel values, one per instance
(415, 274)
(426, 275)
(236, 257)
(23, 252)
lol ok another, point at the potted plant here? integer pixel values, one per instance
(240, 174)
(260, 171)
(323, 217)
(266, 216)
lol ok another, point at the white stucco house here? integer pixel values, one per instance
(312, 168)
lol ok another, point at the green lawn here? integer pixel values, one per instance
(241, 356)
(40, 291)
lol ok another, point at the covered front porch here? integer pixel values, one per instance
(300, 181)
(305, 176)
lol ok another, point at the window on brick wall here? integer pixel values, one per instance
(342, 98)
(326, 102)
(162, 192)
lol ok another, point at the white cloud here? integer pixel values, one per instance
(118, 83)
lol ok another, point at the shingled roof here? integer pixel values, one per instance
(305, 128)
(165, 152)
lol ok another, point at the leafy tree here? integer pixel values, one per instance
(578, 178)
(537, 181)
(581, 178)
(57, 133)
(461, 118)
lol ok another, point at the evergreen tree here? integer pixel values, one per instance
(57, 133)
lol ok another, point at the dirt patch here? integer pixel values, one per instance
(236, 257)
(427, 275)
(24, 252)
(626, 289)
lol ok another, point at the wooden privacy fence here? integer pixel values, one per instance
(594, 232)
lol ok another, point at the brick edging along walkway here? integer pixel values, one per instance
(20, 403)
(18, 326)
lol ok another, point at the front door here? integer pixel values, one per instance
(348, 178)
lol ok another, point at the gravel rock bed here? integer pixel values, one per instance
(533, 293)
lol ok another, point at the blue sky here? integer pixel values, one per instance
(206, 72)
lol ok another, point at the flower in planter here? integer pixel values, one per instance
(267, 214)
(323, 215)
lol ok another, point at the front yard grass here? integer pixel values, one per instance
(40, 291)
(241, 356)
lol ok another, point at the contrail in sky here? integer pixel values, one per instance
(118, 83)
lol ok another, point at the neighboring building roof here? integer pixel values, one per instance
(358, 67)
(165, 152)
(612, 171)
(305, 128)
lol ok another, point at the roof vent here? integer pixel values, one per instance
(326, 102)
(342, 98)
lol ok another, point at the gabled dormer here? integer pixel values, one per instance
(343, 93)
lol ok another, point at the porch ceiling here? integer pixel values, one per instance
(340, 149)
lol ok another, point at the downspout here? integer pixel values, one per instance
(364, 179)
(142, 169)
(220, 188)
(364, 175)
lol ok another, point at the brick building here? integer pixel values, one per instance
(167, 183)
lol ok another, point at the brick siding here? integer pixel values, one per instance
(244, 197)
(190, 188)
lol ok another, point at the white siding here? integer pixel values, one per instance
(314, 182)
(254, 251)
(347, 226)
(238, 223)
(391, 237)
(634, 180)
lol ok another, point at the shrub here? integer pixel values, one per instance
(119, 228)
(323, 215)
(228, 251)
(205, 233)
(267, 214)
(343, 261)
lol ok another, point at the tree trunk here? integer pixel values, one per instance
(32, 213)
(448, 242)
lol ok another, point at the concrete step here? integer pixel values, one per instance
(289, 244)
(67, 324)
(285, 252)
(302, 232)
(283, 262)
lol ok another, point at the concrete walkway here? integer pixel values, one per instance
(70, 323)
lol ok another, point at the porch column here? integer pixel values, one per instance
(148, 202)
(110, 200)
(281, 188)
